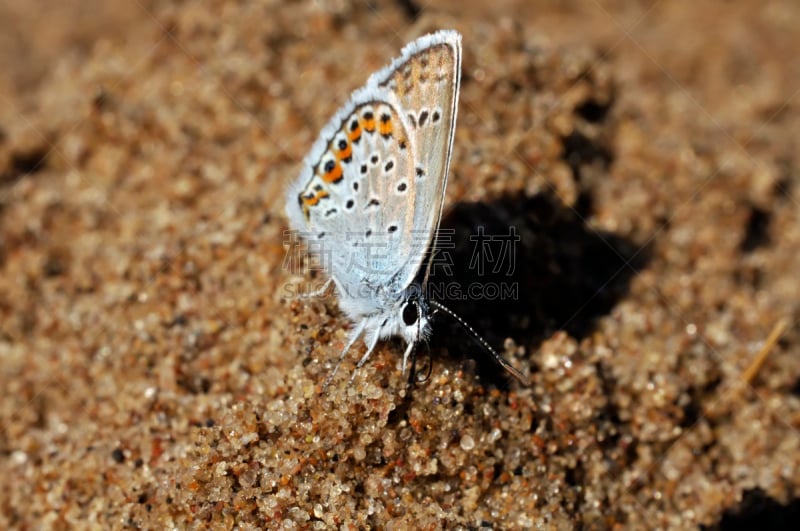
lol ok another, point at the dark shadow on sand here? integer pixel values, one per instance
(560, 275)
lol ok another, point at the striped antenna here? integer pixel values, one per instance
(500, 360)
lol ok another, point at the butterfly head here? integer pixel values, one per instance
(411, 316)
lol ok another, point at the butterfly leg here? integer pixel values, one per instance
(411, 351)
(406, 355)
(354, 335)
(412, 373)
(365, 357)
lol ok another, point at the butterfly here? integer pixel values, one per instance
(371, 191)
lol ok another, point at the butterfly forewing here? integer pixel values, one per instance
(426, 81)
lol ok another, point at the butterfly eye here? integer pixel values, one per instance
(410, 313)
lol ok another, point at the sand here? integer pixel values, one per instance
(155, 372)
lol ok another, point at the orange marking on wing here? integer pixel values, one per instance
(345, 153)
(355, 134)
(368, 125)
(305, 202)
(334, 175)
(385, 128)
(309, 201)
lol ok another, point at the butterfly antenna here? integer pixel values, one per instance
(500, 360)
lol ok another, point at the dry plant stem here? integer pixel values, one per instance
(777, 331)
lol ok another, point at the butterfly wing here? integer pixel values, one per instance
(354, 200)
(370, 194)
(426, 79)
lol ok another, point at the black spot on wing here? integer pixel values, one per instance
(423, 117)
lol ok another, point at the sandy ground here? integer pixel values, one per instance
(154, 372)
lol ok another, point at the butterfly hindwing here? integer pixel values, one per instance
(354, 202)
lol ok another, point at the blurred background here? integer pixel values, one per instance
(152, 374)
